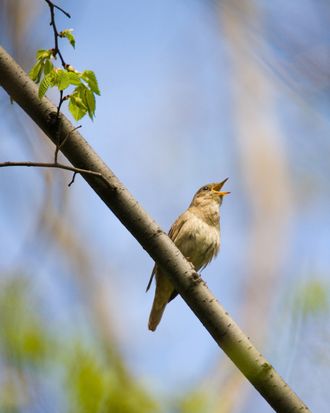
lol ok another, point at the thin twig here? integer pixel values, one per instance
(63, 11)
(59, 104)
(73, 178)
(60, 144)
(57, 130)
(54, 165)
(57, 51)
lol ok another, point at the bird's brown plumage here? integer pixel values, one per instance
(196, 233)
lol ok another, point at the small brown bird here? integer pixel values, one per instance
(196, 233)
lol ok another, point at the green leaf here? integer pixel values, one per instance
(63, 80)
(44, 86)
(88, 99)
(90, 79)
(36, 71)
(48, 67)
(77, 107)
(90, 103)
(66, 78)
(48, 81)
(53, 77)
(43, 54)
(78, 97)
(43, 65)
(68, 34)
(74, 78)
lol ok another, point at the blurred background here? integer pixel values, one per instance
(193, 91)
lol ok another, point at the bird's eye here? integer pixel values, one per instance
(205, 188)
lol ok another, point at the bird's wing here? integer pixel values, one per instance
(173, 233)
(176, 227)
(151, 278)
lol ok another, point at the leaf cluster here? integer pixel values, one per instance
(83, 85)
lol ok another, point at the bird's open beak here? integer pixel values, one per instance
(216, 188)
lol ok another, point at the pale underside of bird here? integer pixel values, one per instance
(196, 233)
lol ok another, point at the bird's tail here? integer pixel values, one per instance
(164, 290)
(156, 314)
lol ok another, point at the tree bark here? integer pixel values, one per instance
(152, 238)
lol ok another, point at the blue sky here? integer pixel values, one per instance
(166, 123)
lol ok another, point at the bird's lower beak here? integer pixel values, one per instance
(216, 188)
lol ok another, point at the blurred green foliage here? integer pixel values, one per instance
(93, 387)
(32, 354)
(82, 373)
(193, 402)
(23, 338)
(312, 297)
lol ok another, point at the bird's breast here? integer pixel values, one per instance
(198, 241)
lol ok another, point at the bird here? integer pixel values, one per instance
(196, 233)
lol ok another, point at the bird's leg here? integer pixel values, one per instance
(192, 265)
(196, 276)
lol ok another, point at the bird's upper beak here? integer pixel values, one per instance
(216, 188)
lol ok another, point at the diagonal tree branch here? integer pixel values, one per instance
(154, 240)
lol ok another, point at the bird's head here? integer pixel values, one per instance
(209, 194)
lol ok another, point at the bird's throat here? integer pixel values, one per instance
(209, 213)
